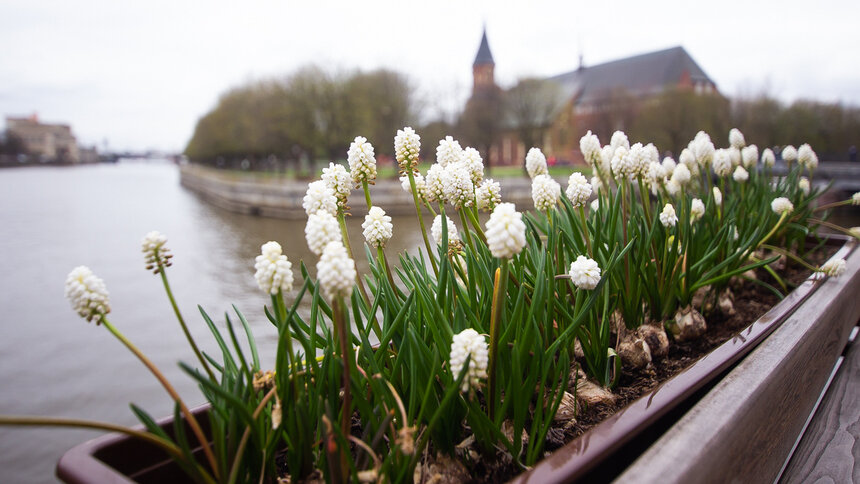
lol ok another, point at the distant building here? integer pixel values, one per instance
(49, 143)
(583, 98)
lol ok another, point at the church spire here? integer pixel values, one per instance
(484, 56)
(482, 69)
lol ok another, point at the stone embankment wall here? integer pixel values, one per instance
(271, 196)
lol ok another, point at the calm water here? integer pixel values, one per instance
(55, 363)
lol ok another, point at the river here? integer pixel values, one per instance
(56, 364)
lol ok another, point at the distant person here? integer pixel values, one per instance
(852, 153)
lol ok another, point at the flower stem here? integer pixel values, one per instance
(341, 324)
(466, 229)
(366, 189)
(341, 219)
(182, 323)
(421, 221)
(585, 231)
(192, 422)
(499, 290)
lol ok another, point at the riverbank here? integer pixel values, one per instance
(277, 197)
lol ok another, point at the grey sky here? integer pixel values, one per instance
(139, 74)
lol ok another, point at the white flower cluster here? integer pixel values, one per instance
(458, 186)
(154, 251)
(339, 180)
(722, 163)
(833, 267)
(319, 197)
(736, 138)
(806, 157)
(535, 163)
(681, 175)
(718, 196)
(855, 199)
(506, 232)
(407, 146)
(469, 344)
(377, 227)
(619, 140)
(578, 189)
(589, 145)
(362, 160)
(768, 159)
(545, 192)
(488, 194)
(789, 154)
(448, 151)
(740, 175)
(274, 271)
(420, 184)
(584, 272)
(803, 185)
(697, 210)
(687, 157)
(734, 156)
(322, 228)
(435, 183)
(781, 205)
(668, 217)
(436, 230)
(336, 271)
(749, 155)
(87, 294)
(471, 158)
(702, 148)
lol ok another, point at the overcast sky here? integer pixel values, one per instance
(140, 74)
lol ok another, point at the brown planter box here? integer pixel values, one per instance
(713, 438)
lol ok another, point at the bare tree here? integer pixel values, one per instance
(531, 106)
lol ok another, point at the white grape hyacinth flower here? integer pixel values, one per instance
(87, 294)
(740, 175)
(506, 231)
(340, 181)
(722, 163)
(377, 227)
(589, 145)
(488, 194)
(687, 157)
(749, 155)
(855, 199)
(803, 185)
(535, 163)
(448, 151)
(672, 187)
(781, 205)
(436, 230)
(833, 267)
(681, 174)
(789, 154)
(703, 149)
(435, 183)
(807, 157)
(545, 192)
(718, 196)
(155, 252)
(669, 163)
(595, 205)
(578, 189)
(459, 189)
(697, 210)
(274, 271)
(768, 159)
(619, 139)
(468, 344)
(420, 184)
(336, 271)
(321, 228)
(407, 146)
(362, 161)
(319, 196)
(596, 184)
(736, 138)
(734, 155)
(585, 273)
(474, 164)
(668, 217)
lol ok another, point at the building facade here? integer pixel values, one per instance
(48, 143)
(602, 98)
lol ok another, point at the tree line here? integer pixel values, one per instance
(312, 115)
